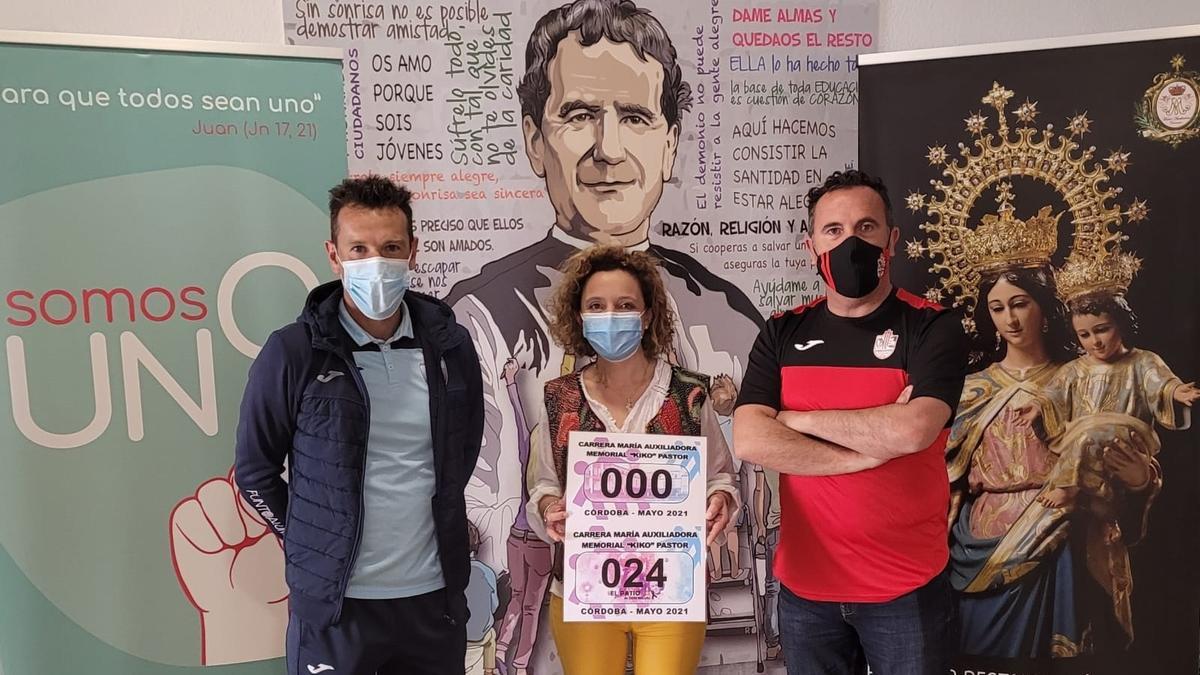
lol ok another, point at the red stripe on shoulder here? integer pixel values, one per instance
(801, 309)
(916, 301)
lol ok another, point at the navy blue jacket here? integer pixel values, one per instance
(306, 403)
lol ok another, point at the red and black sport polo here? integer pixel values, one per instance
(875, 535)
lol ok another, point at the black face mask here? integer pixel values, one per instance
(853, 268)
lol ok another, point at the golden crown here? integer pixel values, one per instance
(959, 254)
(1110, 273)
(1003, 241)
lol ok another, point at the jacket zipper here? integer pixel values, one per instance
(438, 402)
(362, 487)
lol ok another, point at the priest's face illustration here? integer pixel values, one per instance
(601, 102)
(603, 146)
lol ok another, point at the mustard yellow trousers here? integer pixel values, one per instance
(600, 648)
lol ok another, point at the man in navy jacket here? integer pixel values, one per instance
(372, 402)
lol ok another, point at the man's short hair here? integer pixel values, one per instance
(368, 192)
(840, 180)
(616, 20)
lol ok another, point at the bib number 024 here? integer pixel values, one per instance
(632, 573)
(614, 577)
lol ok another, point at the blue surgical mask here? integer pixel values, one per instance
(615, 336)
(376, 285)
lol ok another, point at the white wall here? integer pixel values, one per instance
(919, 24)
(905, 24)
(224, 20)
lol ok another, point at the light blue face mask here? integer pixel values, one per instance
(615, 336)
(376, 285)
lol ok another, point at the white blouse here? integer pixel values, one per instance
(544, 478)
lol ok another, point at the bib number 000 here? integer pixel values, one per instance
(635, 483)
(617, 482)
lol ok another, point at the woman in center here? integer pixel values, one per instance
(611, 305)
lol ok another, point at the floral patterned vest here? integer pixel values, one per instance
(567, 410)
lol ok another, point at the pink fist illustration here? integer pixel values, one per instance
(230, 567)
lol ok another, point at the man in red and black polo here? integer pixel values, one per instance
(850, 399)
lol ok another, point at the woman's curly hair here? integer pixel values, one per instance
(566, 304)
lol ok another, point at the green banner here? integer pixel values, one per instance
(162, 212)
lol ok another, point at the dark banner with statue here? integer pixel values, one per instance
(1050, 194)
